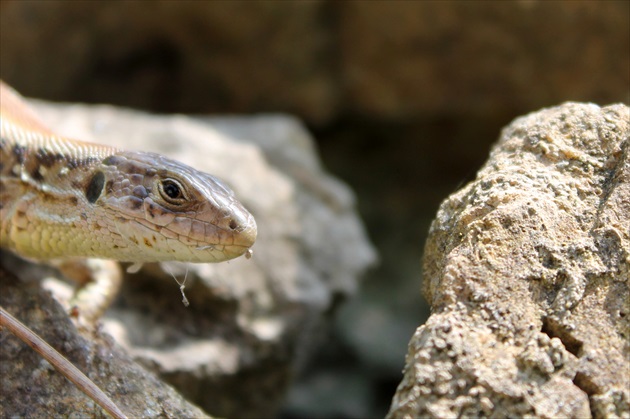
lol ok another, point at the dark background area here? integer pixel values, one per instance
(404, 100)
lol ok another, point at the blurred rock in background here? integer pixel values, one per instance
(404, 98)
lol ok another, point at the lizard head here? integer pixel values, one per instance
(166, 210)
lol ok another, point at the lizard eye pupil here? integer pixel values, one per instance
(172, 191)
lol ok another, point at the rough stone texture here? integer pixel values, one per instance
(253, 322)
(31, 387)
(527, 269)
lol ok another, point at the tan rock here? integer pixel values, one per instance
(527, 271)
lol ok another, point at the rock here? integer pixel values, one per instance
(382, 61)
(527, 271)
(32, 388)
(177, 57)
(402, 60)
(251, 323)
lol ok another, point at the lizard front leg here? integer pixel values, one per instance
(98, 282)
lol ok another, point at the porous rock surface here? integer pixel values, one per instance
(251, 323)
(527, 271)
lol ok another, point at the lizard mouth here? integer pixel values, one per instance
(242, 240)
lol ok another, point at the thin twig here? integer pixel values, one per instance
(62, 365)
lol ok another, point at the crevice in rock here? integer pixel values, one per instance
(586, 384)
(581, 380)
(553, 329)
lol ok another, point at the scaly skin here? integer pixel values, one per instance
(62, 198)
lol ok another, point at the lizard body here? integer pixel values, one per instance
(62, 198)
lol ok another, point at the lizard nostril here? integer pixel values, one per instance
(233, 224)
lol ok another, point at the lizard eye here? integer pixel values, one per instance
(172, 191)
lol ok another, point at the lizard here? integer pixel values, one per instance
(81, 206)
(62, 199)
